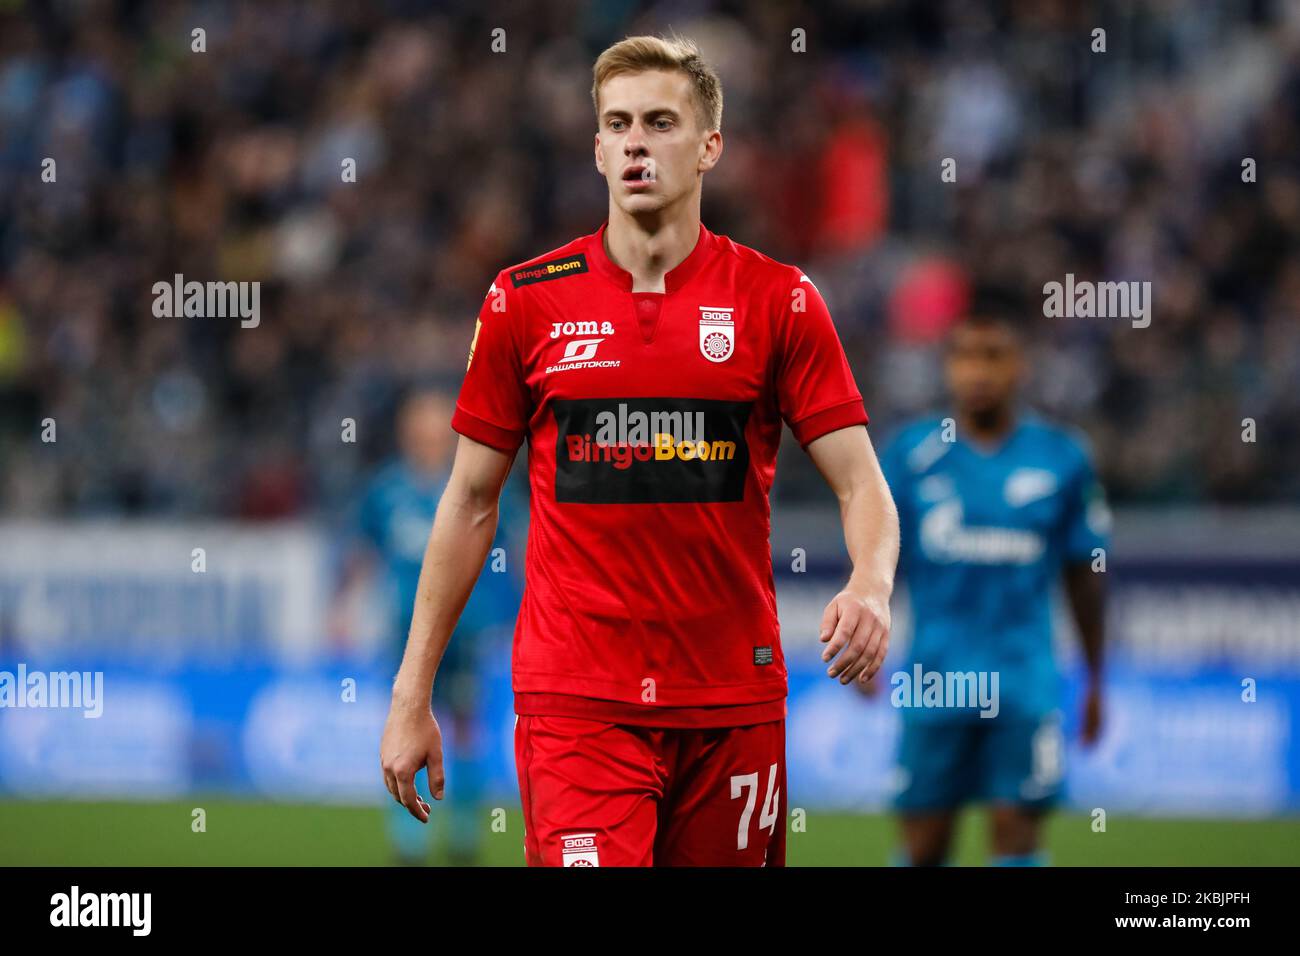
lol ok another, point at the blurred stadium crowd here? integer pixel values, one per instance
(226, 164)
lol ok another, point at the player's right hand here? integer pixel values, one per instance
(412, 739)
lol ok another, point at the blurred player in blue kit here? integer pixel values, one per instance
(392, 523)
(996, 507)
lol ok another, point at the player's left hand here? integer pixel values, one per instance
(1090, 726)
(855, 629)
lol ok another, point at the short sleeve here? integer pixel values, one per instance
(494, 406)
(816, 392)
(1087, 516)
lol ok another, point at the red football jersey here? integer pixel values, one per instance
(653, 421)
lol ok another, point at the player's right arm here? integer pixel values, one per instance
(458, 546)
(491, 416)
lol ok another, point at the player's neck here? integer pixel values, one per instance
(990, 426)
(649, 247)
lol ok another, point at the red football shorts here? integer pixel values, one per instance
(602, 794)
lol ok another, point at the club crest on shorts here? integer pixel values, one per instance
(717, 332)
(579, 849)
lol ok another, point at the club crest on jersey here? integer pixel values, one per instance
(717, 332)
(579, 849)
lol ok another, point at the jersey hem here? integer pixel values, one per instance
(694, 695)
(531, 704)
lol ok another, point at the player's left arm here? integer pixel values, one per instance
(1087, 595)
(823, 407)
(855, 624)
(1086, 534)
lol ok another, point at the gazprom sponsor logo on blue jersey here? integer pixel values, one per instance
(945, 538)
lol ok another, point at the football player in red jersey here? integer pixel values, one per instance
(650, 366)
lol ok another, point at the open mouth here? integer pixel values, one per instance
(639, 173)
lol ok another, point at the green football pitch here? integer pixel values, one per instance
(267, 834)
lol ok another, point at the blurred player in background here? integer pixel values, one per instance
(393, 519)
(996, 506)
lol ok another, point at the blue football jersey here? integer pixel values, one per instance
(986, 533)
(395, 516)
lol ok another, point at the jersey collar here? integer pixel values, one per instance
(674, 279)
(994, 450)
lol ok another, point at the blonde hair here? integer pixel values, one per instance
(638, 54)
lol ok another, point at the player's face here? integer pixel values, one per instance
(984, 367)
(425, 432)
(650, 146)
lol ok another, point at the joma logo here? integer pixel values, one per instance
(581, 328)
